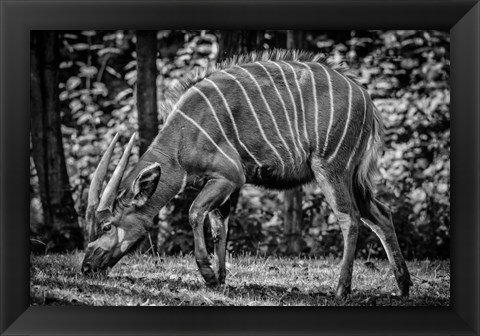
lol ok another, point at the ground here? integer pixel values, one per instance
(140, 280)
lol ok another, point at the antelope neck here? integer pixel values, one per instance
(163, 150)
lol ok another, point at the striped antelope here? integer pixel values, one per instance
(275, 119)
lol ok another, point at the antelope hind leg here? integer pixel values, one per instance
(348, 223)
(383, 228)
(214, 194)
(338, 197)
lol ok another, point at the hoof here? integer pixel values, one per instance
(404, 284)
(221, 278)
(209, 277)
(405, 290)
(343, 291)
(207, 273)
(212, 283)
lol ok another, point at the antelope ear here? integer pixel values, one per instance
(145, 184)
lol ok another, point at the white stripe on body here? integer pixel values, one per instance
(361, 129)
(170, 117)
(256, 119)
(257, 162)
(349, 81)
(209, 138)
(293, 103)
(216, 117)
(314, 89)
(184, 184)
(172, 114)
(270, 112)
(332, 110)
(294, 138)
(346, 123)
(301, 102)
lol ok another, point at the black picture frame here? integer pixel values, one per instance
(18, 17)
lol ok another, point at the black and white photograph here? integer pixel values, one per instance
(239, 168)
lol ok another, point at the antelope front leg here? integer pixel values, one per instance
(219, 222)
(215, 193)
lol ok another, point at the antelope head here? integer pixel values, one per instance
(115, 219)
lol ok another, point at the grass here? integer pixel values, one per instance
(139, 280)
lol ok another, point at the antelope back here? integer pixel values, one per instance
(268, 114)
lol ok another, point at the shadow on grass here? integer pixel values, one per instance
(56, 280)
(48, 300)
(83, 292)
(129, 290)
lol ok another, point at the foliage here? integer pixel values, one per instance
(407, 75)
(97, 78)
(406, 72)
(174, 280)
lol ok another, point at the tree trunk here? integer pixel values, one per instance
(60, 218)
(293, 220)
(147, 109)
(234, 42)
(293, 214)
(296, 39)
(147, 87)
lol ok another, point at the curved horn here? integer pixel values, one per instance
(96, 185)
(100, 173)
(110, 193)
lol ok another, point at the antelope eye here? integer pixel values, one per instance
(107, 227)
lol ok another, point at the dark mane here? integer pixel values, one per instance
(198, 74)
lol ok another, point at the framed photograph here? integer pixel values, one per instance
(392, 70)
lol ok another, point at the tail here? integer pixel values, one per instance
(366, 173)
